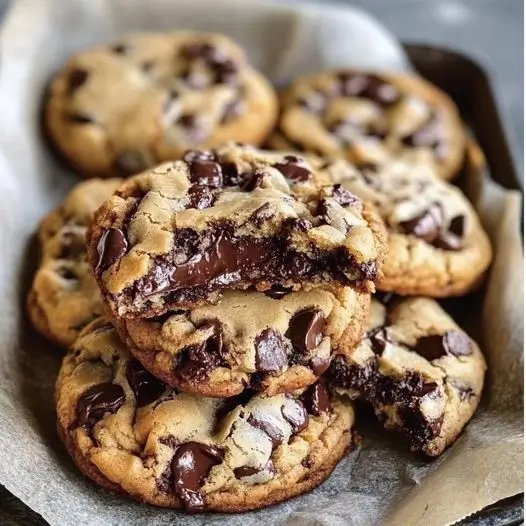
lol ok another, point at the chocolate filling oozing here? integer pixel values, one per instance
(200, 265)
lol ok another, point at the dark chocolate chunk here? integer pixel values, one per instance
(343, 197)
(206, 172)
(295, 414)
(297, 224)
(133, 162)
(145, 386)
(76, 79)
(262, 214)
(190, 465)
(306, 330)
(200, 196)
(196, 361)
(316, 399)
(451, 343)
(231, 176)
(271, 351)
(66, 273)
(98, 400)
(112, 246)
(457, 225)
(268, 428)
(277, 292)
(253, 181)
(372, 87)
(384, 297)
(426, 226)
(319, 364)
(247, 471)
(453, 238)
(293, 171)
(361, 378)
(379, 339)
(429, 135)
(226, 71)
(187, 120)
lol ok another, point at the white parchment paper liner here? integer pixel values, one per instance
(379, 482)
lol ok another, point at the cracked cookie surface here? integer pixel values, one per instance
(272, 342)
(419, 370)
(436, 244)
(129, 433)
(175, 236)
(369, 117)
(121, 108)
(64, 295)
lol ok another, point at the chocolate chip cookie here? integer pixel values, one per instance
(422, 373)
(121, 108)
(368, 117)
(64, 296)
(173, 237)
(273, 342)
(436, 244)
(130, 433)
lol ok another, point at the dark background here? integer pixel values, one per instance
(488, 31)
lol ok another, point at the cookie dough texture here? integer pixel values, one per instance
(422, 374)
(129, 433)
(175, 236)
(369, 117)
(436, 244)
(120, 108)
(64, 296)
(274, 342)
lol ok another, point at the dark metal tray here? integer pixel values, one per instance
(468, 85)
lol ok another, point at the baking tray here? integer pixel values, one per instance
(468, 85)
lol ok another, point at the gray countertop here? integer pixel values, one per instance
(488, 31)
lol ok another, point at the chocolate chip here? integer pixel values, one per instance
(343, 197)
(453, 238)
(429, 135)
(319, 364)
(316, 399)
(198, 155)
(379, 339)
(231, 176)
(293, 171)
(361, 378)
(278, 292)
(306, 330)
(190, 465)
(196, 361)
(147, 65)
(133, 161)
(120, 49)
(225, 71)
(76, 79)
(451, 343)
(201, 197)
(195, 50)
(295, 414)
(206, 172)
(253, 181)
(187, 120)
(80, 118)
(145, 386)
(112, 246)
(297, 224)
(248, 471)
(426, 226)
(97, 401)
(267, 427)
(271, 351)
(368, 86)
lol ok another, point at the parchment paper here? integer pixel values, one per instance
(377, 483)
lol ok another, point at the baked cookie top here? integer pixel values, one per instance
(272, 342)
(436, 243)
(130, 433)
(175, 236)
(421, 372)
(64, 296)
(124, 107)
(369, 117)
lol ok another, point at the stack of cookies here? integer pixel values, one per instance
(218, 307)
